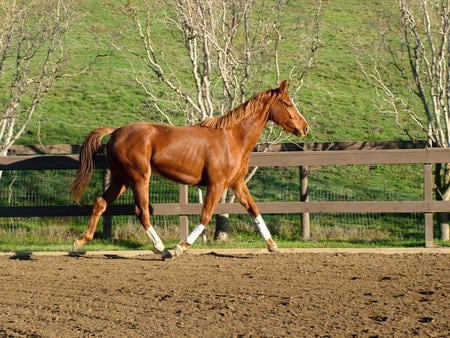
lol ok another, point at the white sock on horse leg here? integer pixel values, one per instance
(157, 243)
(195, 233)
(262, 227)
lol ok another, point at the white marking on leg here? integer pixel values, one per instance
(262, 227)
(195, 233)
(157, 243)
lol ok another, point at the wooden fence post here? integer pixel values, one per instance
(184, 222)
(305, 224)
(428, 197)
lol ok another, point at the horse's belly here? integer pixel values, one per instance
(179, 170)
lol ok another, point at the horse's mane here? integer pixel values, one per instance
(237, 114)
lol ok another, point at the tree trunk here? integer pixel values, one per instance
(222, 228)
(442, 180)
(222, 223)
(443, 221)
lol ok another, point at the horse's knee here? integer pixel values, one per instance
(245, 203)
(143, 216)
(205, 218)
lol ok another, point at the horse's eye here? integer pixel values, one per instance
(286, 103)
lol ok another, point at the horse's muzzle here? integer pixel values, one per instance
(301, 131)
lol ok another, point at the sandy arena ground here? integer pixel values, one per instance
(227, 294)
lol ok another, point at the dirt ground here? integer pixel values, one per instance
(226, 295)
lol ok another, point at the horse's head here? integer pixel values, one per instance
(284, 113)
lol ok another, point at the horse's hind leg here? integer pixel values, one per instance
(140, 191)
(112, 193)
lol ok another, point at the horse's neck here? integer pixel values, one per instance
(248, 131)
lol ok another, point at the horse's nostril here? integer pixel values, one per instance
(306, 129)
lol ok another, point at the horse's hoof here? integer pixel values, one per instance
(272, 246)
(159, 247)
(77, 244)
(180, 249)
(166, 255)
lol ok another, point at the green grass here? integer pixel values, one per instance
(255, 243)
(101, 90)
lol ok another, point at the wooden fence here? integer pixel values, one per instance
(301, 159)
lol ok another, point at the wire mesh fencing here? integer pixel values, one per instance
(331, 183)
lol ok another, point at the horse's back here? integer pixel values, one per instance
(142, 135)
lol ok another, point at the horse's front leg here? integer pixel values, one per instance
(244, 196)
(212, 197)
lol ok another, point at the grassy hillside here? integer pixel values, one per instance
(101, 91)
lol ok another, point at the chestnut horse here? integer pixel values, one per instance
(214, 153)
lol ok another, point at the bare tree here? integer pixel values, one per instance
(225, 49)
(31, 58)
(421, 61)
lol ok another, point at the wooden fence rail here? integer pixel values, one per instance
(426, 156)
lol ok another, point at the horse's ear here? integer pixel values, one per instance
(283, 86)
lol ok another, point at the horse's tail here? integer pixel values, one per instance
(88, 150)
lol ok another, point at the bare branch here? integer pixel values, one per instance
(31, 58)
(226, 44)
(425, 26)
(314, 46)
